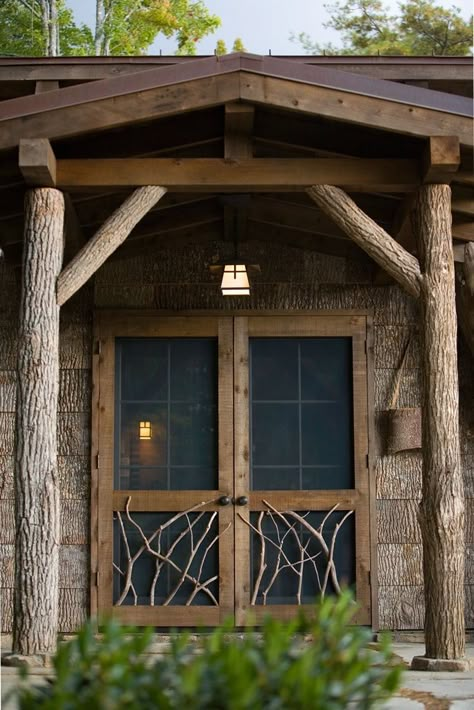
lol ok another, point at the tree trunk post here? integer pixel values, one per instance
(441, 512)
(36, 479)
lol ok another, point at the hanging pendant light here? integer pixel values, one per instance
(235, 281)
(235, 278)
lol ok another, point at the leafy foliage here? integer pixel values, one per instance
(130, 27)
(123, 27)
(297, 665)
(22, 30)
(421, 28)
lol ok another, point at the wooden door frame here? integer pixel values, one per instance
(128, 323)
(358, 499)
(107, 500)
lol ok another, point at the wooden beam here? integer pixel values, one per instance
(43, 85)
(220, 175)
(239, 119)
(305, 218)
(120, 110)
(374, 240)
(354, 108)
(37, 162)
(465, 293)
(441, 159)
(463, 231)
(465, 177)
(463, 206)
(109, 237)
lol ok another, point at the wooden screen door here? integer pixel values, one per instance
(231, 474)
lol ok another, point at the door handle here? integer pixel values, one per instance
(241, 500)
(225, 500)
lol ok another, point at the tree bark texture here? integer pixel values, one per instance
(442, 505)
(374, 240)
(37, 510)
(107, 239)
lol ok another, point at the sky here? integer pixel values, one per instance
(264, 25)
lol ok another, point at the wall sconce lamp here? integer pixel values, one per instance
(144, 430)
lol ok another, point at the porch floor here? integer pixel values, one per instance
(421, 690)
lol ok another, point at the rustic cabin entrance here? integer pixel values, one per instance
(233, 465)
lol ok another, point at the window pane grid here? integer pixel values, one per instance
(293, 429)
(176, 380)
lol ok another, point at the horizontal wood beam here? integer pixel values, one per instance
(253, 175)
(463, 231)
(37, 162)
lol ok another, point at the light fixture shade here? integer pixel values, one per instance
(235, 281)
(144, 430)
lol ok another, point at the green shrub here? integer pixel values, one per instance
(318, 664)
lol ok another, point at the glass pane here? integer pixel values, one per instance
(166, 414)
(144, 369)
(326, 368)
(274, 369)
(275, 434)
(193, 371)
(185, 568)
(326, 439)
(193, 433)
(294, 563)
(301, 413)
(275, 478)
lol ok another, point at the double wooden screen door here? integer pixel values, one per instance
(232, 475)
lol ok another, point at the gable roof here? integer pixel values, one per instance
(203, 83)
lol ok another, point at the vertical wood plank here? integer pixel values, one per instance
(106, 472)
(241, 467)
(226, 465)
(371, 473)
(361, 472)
(94, 510)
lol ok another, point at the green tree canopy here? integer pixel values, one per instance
(123, 27)
(23, 32)
(221, 47)
(419, 28)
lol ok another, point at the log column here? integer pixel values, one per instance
(36, 477)
(442, 507)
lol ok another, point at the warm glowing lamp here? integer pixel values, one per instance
(235, 281)
(144, 430)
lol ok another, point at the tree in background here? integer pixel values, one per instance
(238, 45)
(47, 27)
(130, 26)
(420, 28)
(41, 27)
(221, 47)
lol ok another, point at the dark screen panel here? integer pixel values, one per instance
(170, 386)
(301, 413)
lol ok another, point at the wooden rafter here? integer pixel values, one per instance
(374, 240)
(108, 238)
